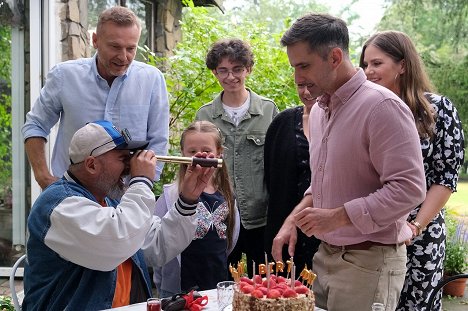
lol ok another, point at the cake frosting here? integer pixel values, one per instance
(257, 295)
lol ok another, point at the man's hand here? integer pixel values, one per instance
(196, 179)
(286, 235)
(313, 221)
(143, 163)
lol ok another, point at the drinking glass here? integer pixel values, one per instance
(225, 291)
(153, 304)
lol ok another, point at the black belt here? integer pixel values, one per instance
(363, 245)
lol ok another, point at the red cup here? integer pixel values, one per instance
(153, 304)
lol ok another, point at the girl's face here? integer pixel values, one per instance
(380, 68)
(200, 142)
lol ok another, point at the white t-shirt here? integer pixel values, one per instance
(237, 113)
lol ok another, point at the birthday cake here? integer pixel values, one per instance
(257, 295)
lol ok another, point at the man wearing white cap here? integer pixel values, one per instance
(87, 231)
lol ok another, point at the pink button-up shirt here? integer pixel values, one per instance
(365, 155)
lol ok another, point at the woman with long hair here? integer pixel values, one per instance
(390, 59)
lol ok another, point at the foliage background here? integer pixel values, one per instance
(5, 112)
(190, 84)
(438, 27)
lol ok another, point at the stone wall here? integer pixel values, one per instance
(73, 30)
(74, 37)
(168, 14)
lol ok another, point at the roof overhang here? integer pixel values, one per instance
(216, 3)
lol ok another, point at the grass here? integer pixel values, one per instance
(458, 202)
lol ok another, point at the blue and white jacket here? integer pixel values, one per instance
(75, 244)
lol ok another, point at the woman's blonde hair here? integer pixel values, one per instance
(414, 81)
(221, 177)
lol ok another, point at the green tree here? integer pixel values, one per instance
(5, 111)
(433, 23)
(439, 29)
(277, 14)
(190, 84)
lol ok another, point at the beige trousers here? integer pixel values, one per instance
(354, 279)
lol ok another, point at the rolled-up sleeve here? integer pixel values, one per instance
(46, 110)
(395, 153)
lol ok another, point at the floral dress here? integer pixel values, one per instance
(442, 157)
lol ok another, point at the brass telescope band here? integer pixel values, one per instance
(205, 162)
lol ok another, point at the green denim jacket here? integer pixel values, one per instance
(243, 153)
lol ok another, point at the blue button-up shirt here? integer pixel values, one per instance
(75, 94)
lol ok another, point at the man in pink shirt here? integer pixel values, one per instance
(367, 173)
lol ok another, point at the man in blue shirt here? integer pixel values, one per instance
(110, 86)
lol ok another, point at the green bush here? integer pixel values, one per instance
(5, 113)
(191, 84)
(6, 304)
(456, 248)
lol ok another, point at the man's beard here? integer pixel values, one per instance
(113, 191)
(116, 191)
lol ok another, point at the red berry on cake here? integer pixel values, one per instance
(289, 293)
(280, 289)
(281, 279)
(273, 294)
(257, 279)
(257, 293)
(246, 280)
(302, 290)
(272, 283)
(263, 289)
(247, 289)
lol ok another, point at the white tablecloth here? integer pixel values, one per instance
(212, 303)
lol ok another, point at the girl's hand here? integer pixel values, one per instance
(196, 179)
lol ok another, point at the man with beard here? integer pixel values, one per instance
(85, 244)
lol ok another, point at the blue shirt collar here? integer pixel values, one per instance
(98, 76)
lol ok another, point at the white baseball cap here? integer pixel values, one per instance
(99, 137)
